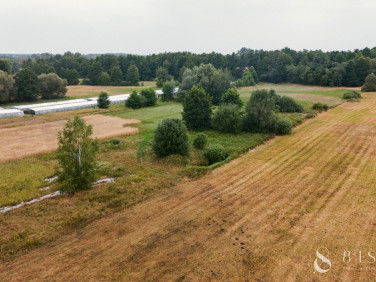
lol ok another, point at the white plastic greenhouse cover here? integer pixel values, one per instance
(5, 113)
(158, 92)
(115, 99)
(49, 104)
(62, 108)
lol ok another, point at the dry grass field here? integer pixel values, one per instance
(331, 96)
(261, 217)
(41, 137)
(90, 90)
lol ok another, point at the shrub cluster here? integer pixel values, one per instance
(171, 138)
(200, 141)
(288, 105)
(215, 153)
(352, 95)
(232, 97)
(370, 83)
(146, 98)
(280, 126)
(320, 107)
(227, 119)
(260, 116)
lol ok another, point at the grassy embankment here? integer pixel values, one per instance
(138, 175)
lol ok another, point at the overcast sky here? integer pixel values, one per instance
(154, 26)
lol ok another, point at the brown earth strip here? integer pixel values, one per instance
(260, 217)
(35, 139)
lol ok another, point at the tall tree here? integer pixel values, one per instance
(76, 155)
(5, 66)
(197, 110)
(259, 111)
(161, 76)
(27, 85)
(95, 70)
(52, 86)
(133, 76)
(116, 75)
(7, 87)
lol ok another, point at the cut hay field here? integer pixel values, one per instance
(86, 91)
(331, 96)
(37, 139)
(260, 217)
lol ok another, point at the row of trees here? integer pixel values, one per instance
(334, 68)
(259, 116)
(26, 85)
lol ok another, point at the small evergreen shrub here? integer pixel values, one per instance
(215, 153)
(171, 138)
(103, 100)
(200, 141)
(227, 119)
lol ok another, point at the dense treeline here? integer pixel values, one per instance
(29, 85)
(335, 68)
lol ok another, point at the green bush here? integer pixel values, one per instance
(288, 105)
(150, 99)
(232, 97)
(171, 138)
(352, 95)
(227, 119)
(135, 101)
(281, 126)
(370, 83)
(200, 140)
(103, 100)
(215, 153)
(320, 107)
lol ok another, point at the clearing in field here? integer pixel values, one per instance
(260, 217)
(35, 139)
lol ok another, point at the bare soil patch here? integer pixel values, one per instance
(34, 139)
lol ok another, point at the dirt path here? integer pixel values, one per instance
(34, 139)
(261, 217)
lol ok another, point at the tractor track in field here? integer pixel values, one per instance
(262, 216)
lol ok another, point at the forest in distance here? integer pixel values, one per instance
(332, 68)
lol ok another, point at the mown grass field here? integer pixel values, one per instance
(139, 175)
(261, 217)
(332, 96)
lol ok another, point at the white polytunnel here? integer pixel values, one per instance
(6, 113)
(49, 104)
(61, 108)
